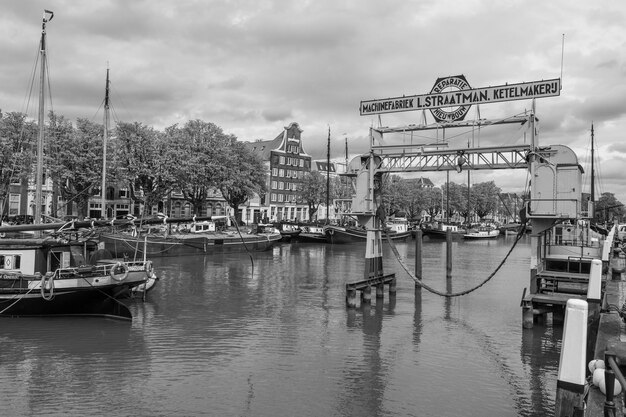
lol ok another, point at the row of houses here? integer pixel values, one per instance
(285, 162)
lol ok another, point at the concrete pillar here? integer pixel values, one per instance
(572, 365)
(594, 289)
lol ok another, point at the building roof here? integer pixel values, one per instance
(322, 166)
(291, 133)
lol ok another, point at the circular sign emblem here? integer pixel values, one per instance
(447, 85)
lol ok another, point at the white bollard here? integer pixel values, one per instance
(572, 366)
(594, 289)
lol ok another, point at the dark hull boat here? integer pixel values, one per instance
(312, 234)
(55, 275)
(64, 303)
(124, 244)
(397, 229)
(440, 231)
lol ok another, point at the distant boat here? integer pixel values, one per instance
(312, 233)
(288, 231)
(190, 237)
(397, 228)
(482, 232)
(440, 230)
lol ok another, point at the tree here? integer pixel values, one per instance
(75, 160)
(144, 162)
(484, 198)
(313, 191)
(200, 150)
(608, 208)
(17, 150)
(241, 178)
(455, 199)
(396, 195)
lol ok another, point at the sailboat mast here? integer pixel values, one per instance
(593, 175)
(104, 147)
(328, 178)
(40, 118)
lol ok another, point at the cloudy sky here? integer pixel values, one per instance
(254, 66)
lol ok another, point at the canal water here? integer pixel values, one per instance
(227, 335)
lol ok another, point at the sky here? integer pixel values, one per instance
(253, 67)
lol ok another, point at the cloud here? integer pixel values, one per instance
(252, 66)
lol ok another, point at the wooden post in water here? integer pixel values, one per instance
(570, 384)
(418, 258)
(448, 254)
(366, 295)
(380, 291)
(351, 298)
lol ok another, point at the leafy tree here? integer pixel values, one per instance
(313, 191)
(455, 199)
(75, 160)
(341, 188)
(431, 201)
(144, 162)
(484, 198)
(243, 175)
(396, 195)
(608, 208)
(17, 150)
(199, 149)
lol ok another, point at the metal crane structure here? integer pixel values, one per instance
(368, 169)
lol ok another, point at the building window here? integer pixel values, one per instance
(123, 192)
(275, 172)
(302, 163)
(281, 172)
(274, 185)
(273, 197)
(281, 185)
(281, 198)
(281, 160)
(14, 204)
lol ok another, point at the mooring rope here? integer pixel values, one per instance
(449, 294)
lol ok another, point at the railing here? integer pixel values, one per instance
(610, 373)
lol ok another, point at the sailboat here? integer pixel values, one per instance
(63, 272)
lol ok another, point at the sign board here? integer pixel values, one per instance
(455, 94)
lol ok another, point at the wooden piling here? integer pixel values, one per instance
(528, 318)
(380, 291)
(418, 258)
(366, 295)
(392, 287)
(351, 298)
(449, 253)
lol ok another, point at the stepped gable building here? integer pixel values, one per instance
(286, 163)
